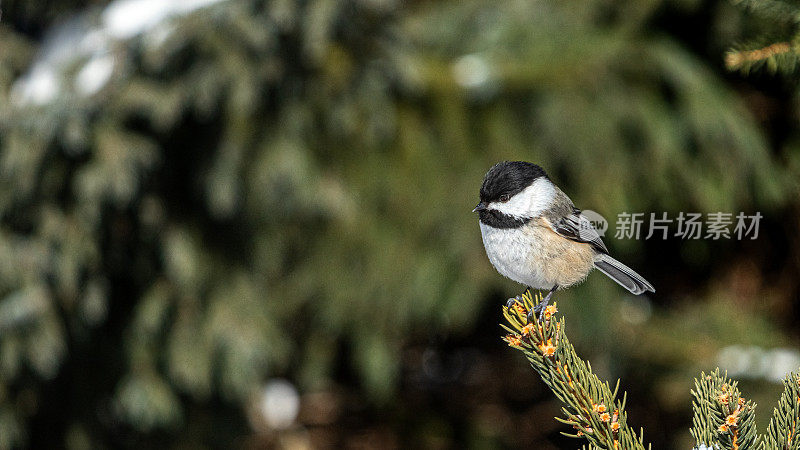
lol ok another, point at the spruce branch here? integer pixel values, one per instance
(591, 407)
(721, 417)
(783, 427)
(777, 46)
(779, 56)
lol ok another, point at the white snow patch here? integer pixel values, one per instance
(279, 404)
(471, 71)
(82, 38)
(124, 19)
(95, 74)
(38, 87)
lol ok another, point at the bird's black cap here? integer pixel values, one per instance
(508, 178)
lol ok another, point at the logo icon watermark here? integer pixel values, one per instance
(599, 222)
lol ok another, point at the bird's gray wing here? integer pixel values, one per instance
(577, 227)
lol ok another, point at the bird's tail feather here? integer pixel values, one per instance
(622, 274)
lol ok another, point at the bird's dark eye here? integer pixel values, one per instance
(505, 197)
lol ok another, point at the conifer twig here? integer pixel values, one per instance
(737, 59)
(722, 418)
(776, 48)
(783, 427)
(591, 407)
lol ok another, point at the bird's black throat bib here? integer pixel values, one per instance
(496, 219)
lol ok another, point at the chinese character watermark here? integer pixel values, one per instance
(629, 226)
(686, 225)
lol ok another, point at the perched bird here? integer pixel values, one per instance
(534, 235)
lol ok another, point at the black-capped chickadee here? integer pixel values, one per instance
(534, 235)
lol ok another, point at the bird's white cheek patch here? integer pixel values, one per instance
(529, 202)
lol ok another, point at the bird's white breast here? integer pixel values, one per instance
(510, 252)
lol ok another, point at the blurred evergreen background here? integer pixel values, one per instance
(247, 223)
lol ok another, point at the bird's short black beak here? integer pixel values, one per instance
(481, 206)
